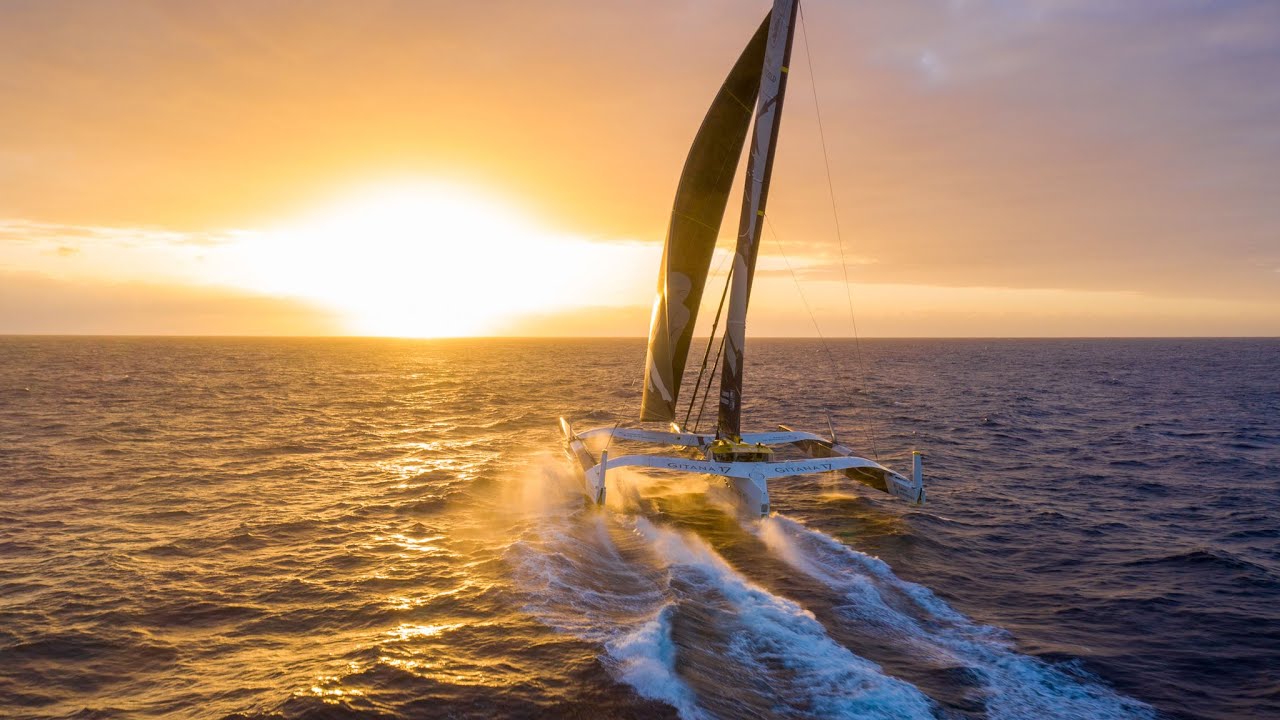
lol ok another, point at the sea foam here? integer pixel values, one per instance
(1012, 685)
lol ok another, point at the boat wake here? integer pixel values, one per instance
(590, 575)
(679, 623)
(754, 650)
(1004, 683)
(651, 595)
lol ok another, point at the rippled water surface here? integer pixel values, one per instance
(388, 529)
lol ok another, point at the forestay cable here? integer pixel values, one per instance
(831, 360)
(831, 191)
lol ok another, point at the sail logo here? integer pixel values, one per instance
(729, 399)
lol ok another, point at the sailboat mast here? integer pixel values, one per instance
(764, 143)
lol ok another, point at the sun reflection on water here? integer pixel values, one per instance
(423, 545)
(407, 631)
(328, 691)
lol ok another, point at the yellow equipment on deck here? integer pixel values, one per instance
(725, 450)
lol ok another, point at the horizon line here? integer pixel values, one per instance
(628, 337)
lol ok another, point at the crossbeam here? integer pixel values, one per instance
(749, 479)
(658, 437)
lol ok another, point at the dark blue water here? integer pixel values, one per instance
(375, 528)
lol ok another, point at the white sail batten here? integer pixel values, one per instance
(764, 144)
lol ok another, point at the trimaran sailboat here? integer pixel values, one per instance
(746, 460)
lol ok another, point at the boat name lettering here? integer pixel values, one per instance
(802, 468)
(696, 466)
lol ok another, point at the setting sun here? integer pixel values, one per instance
(428, 259)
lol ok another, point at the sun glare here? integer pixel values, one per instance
(430, 260)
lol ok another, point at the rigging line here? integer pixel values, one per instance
(831, 190)
(719, 353)
(707, 354)
(831, 360)
(719, 309)
(710, 379)
(610, 440)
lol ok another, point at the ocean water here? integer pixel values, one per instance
(246, 528)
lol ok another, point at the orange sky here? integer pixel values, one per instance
(1000, 169)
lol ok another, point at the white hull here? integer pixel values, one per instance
(749, 480)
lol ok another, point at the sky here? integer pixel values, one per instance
(998, 168)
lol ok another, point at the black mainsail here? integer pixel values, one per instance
(696, 216)
(764, 143)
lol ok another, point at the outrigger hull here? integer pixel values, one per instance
(749, 480)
